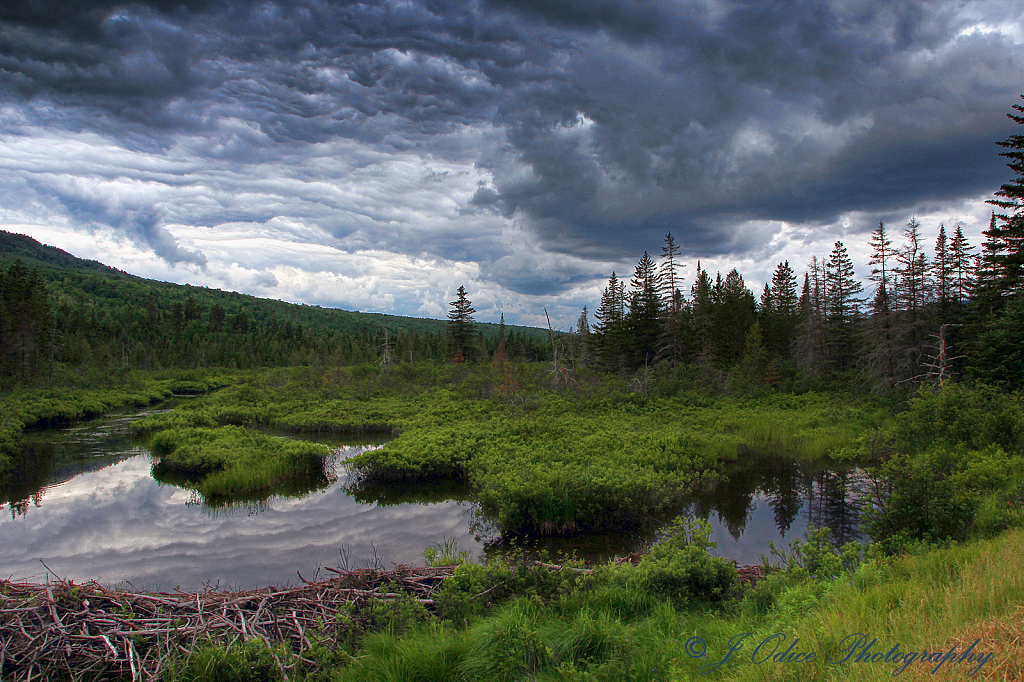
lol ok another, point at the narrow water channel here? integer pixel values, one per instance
(85, 505)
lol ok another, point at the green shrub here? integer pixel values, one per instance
(475, 589)
(818, 557)
(681, 567)
(393, 615)
(951, 471)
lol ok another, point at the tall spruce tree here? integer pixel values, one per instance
(880, 353)
(912, 270)
(987, 279)
(912, 295)
(702, 302)
(842, 307)
(766, 305)
(962, 270)
(670, 347)
(642, 320)
(734, 314)
(583, 337)
(942, 269)
(609, 331)
(811, 351)
(1010, 200)
(780, 326)
(462, 326)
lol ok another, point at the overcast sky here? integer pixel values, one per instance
(375, 156)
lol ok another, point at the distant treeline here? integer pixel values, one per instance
(925, 318)
(83, 314)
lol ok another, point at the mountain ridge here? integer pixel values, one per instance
(51, 260)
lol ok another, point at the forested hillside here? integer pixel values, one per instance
(55, 308)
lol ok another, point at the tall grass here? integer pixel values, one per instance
(930, 601)
(555, 462)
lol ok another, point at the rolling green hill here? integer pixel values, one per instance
(103, 315)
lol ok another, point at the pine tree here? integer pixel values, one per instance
(642, 320)
(912, 270)
(784, 289)
(842, 307)
(778, 327)
(701, 310)
(960, 256)
(734, 314)
(669, 280)
(462, 326)
(583, 337)
(1010, 199)
(610, 327)
(987, 281)
(500, 354)
(942, 268)
(811, 351)
(912, 294)
(881, 354)
(766, 305)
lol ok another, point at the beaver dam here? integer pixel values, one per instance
(87, 631)
(90, 632)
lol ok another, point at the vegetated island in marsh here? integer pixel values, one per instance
(595, 458)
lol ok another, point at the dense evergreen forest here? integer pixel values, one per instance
(928, 315)
(925, 317)
(58, 309)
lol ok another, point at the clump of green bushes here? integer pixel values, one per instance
(232, 460)
(563, 465)
(952, 469)
(72, 396)
(49, 408)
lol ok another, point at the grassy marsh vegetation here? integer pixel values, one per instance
(943, 570)
(595, 457)
(73, 396)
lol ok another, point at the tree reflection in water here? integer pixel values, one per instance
(828, 493)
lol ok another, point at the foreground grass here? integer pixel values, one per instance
(930, 602)
(612, 626)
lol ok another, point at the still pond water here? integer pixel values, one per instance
(90, 509)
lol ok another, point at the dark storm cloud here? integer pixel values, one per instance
(669, 119)
(615, 121)
(142, 225)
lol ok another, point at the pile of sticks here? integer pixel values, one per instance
(89, 632)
